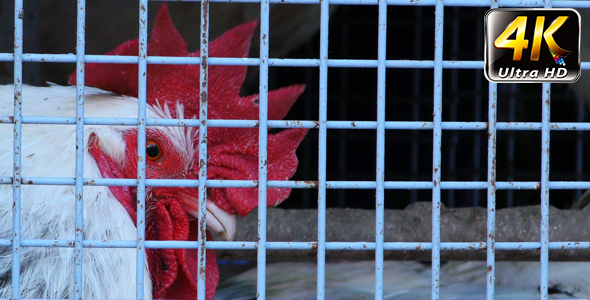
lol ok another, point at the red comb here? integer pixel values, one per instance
(233, 152)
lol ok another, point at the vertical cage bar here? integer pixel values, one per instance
(16, 171)
(78, 249)
(491, 191)
(545, 190)
(141, 139)
(380, 168)
(262, 154)
(545, 139)
(436, 147)
(322, 147)
(203, 115)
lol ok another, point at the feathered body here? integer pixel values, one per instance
(47, 212)
(410, 280)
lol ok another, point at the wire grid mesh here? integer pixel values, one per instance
(444, 73)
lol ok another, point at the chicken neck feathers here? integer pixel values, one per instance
(47, 212)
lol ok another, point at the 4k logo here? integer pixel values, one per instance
(515, 54)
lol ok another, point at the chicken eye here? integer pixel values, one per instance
(152, 150)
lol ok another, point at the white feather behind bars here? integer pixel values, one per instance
(48, 211)
(410, 280)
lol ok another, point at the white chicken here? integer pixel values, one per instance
(48, 211)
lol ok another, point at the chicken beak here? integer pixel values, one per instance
(217, 219)
(220, 221)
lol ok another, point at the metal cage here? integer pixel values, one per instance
(395, 114)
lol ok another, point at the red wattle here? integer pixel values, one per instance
(174, 271)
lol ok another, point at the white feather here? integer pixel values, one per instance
(48, 211)
(409, 280)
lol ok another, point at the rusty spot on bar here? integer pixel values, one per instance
(311, 183)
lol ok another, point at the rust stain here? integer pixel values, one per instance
(311, 183)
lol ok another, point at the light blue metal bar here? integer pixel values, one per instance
(246, 245)
(436, 147)
(491, 192)
(262, 149)
(363, 125)
(380, 167)
(203, 115)
(16, 152)
(545, 148)
(275, 62)
(79, 184)
(216, 183)
(545, 137)
(218, 245)
(141, 140)
(85, 243)
(322, 148)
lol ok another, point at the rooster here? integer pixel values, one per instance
(111, 152)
